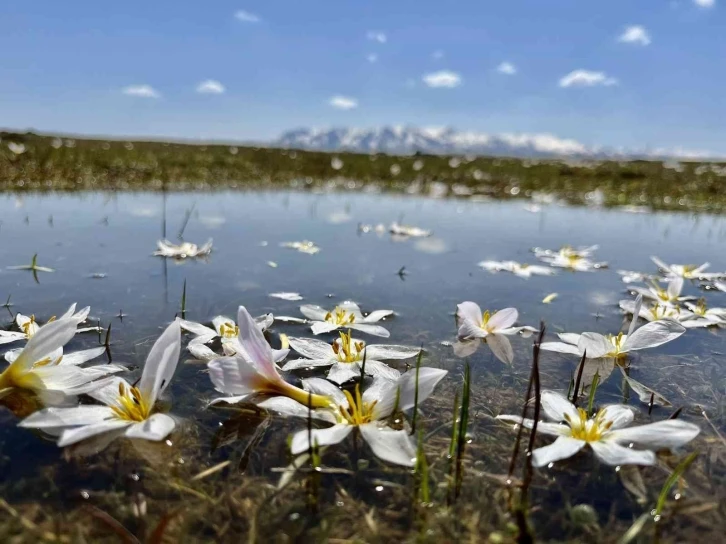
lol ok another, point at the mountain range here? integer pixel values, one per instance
(445, 140)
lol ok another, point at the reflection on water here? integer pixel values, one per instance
(100, 247)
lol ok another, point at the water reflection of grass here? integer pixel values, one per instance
(70, 164)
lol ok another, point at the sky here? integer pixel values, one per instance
(638, 75)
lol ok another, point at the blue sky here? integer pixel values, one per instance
(81, 67)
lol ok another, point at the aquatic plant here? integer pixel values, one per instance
(346, 315)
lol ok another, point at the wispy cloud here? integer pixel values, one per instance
(372, 58)
(442, 78)
(507, 68)
(586, 78)
(210, 86)
(246, 16)
(377, 36)
(705, 3)
(343, 102)
(143, 91)
(635, 34)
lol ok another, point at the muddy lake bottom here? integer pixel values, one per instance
(100, 246)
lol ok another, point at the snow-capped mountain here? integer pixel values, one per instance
(405, 140)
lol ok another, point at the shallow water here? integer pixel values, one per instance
(85, 235)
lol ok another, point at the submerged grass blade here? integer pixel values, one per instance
(463, 425)
(422, 470)
(593, 389)
(415, 394)
(580, 368)
(184, 300)
(672, 479)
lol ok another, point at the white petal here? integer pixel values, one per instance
(67, 417)
(321, 327)
(383, 353)
(60, 378)
(352, 308)
(311, 348)
(465, 348)
(428, 379)
(12, 354)
(378, 369)
(375, 330)
(49, 338)
(671, 433)
(596, 345)
(319, 386)
(196, 328)
(72, 436)
(107, 390)
(390, 445)
(675, 286)
(7, 337)
(296, 364)
(285, 406)
(654, 334)
(377, 315)
(161, 363)
(501, 348)
(80, 357)
(156, 428)
(560, 347)
(569, 338)
(556, 407)
(503, 319)
(562, 448)
(234, 376)
(321, 437)
(201, 352)
(468, 311)
(342, 372)
(311, 311)
(636, 312)
(470, 329)
(543, 427)
(230, 400)
(618, 414)
(254, 343)
(614, 454)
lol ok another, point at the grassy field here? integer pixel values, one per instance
(35, 163)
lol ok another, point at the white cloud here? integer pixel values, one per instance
(507, 68)
(372, 58)
(246, 17)
(442, 78)
(705, 3)
(210, 86)
(343, 102)
(377, 36)
(586, 78)
(144, 91)
(635, 34)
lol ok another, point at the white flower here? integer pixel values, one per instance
(42, 368)
(575, 259)
(670, 296)
(28, 326)
(604, 433)
(183, 250)
(345, 316)
(475, 325)
(367, 413)
(252, 370)
(630, 276)
(565, 251)
(224, 328)
(687, 271)
(699, 315)
(345, 357)
(518, 269)
(654, 312)
(618, 346)
(306, 246)
(128, 410)
(407, 231)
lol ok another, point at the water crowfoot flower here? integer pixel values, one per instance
(252, 370)
(127, 410)
(687, 271)
(670, 296)
(407, 231)
(475, 325)
(345, 357)
(182, 251)
(345, 316)
(575, 259)
(522, 270)
(306, 246)
(367, 413)
(42, 368)
(700, 315)
(224, 328)
(28, 326)
(605, 433)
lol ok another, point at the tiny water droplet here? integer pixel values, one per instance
(631, 445)
(656, 518)
(617, 469)
(294, 516)
(379, 488)
(85, 494)
(169, 443)
(135, 477)
(550, 465)
(677, 496)
(339, 503)
(181, 461)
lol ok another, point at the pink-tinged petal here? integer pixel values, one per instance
(392, 446)
(161, 363)
(503, 319)
(234, 376)
(562, 448)
(322, 437)
(614, 454)
(254, 343)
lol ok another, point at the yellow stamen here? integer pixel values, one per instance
(26, 327)
(131, 404)
(228, 330)
(589, 430)
(340, 317)
(346, 350)
(358, 412)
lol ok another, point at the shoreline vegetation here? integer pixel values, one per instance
(32, 163)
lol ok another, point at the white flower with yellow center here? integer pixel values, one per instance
(346, 315)
(224, 328)
(345, 356)
(42, 368)
(575, 259)
(28, 326)
(185, 250)
(475, 325)
(128, 410)
(252, 370)
(518, 269)
(655, 311)
(700, 315)
(687, 271)
(366, 412)
(605, 433)
(670, 296)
